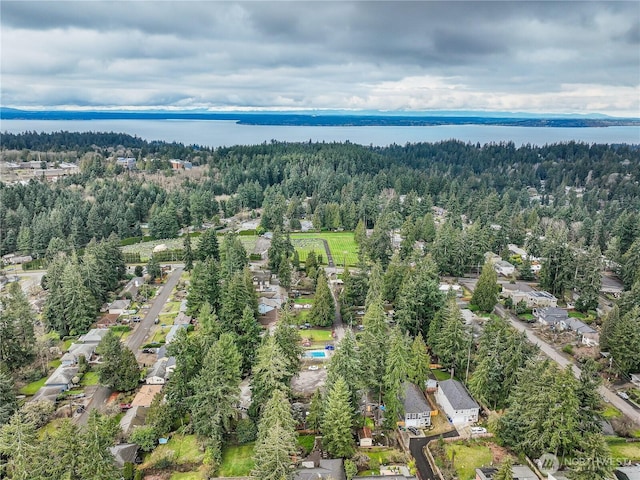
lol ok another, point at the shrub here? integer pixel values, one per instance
(246, 431)
(145, 436)
(568, 349)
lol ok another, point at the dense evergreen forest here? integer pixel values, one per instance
(588, 193)
(445, 205)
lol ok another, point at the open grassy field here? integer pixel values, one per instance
(237, 461)
(306, 245)
(623, 450)
(342, 245)
(317, 335)
(468, 457)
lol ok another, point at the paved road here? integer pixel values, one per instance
(135, 340)
(416, 447)
(554, 355)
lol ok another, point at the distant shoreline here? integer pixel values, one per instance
(321, 120)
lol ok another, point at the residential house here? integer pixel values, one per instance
(182, 319)
(314, 467)
(62, 378)
(456, 402)
(134, 417)
(173, 332)
(157, 374)
(93, 336)
(118, 307)
(77, 350)
(144, 397)
(513, 248)
(124, 453)
(533, 299)
(588, 335)
(504, 268)
(551, 316)
(417, 411)
(519, 472)
(631, 472)
(635, 379)
(126, 162)
(365, 438)
(446, 288)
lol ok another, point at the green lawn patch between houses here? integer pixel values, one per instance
(33, 387)
(185, 447)
(622, 450)
(467, 458)
(237, 461)
(90, 378)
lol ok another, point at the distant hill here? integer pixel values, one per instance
(330, 118)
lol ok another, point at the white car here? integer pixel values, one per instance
(623, 395)
(313, 367)
(478, 430)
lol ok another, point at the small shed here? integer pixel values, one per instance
(365, 438)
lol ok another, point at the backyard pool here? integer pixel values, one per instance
(315, 354)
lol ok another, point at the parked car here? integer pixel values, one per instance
(135, 318)
(478, 430)
(414, 430)
(313, 367)
(623, 395)
(125, 406)
(148, 350)
(329, 347)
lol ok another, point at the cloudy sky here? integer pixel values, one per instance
(544, 57)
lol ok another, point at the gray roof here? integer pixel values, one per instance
(554, 312)
(628, 473)
(159, 369)
(414, 401)
(578, 325)
(93, 336)
(457, 395)
(124, 453)
(542, 294)
(328, 469)
(173, 332)
(134, 417)
(120, 304)
(62, 376)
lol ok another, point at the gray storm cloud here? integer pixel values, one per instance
(532, 56)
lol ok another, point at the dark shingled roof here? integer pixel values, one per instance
(414, 401)
(457, 395)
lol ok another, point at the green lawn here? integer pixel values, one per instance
(622, 450)
(33, 387)
(55, 363)
(186, 476)
(67, 343)
(303, 301)
(527, 317)
(468, 458)
(342, 245)
(317, 335)
(248, 242)
(90, 378)
(306, 442)
(186, 448)
(306, 245)
(383, 455)
(611, 412)
(172, 307)
(237, 461)
(440, 375)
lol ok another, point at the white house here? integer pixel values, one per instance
(158, 373)
(77, 350)
(62, 378)
(417, 411)
(513, 248)
(118, 307)
(456, 402)
(504, 268)
(635, 379)
(95, 335)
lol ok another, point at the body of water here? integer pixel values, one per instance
(218, 133)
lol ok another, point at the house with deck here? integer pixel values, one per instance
(417, 411)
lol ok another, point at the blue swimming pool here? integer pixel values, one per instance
(315, 354)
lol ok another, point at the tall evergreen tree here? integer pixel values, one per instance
(216, 393)
(396, 374)
(188, 253)
(505, 472)
(270, 372)
(119, 369)
(453, 341)
(485, 295)
(316, 411)
(205, 286)
(17, 339)
(374, 341)
(595, 459)
(624, 345)
(322, 312)
(419, 362)
(208, 245)
(345, 363)
(338, 421)
(8, 401)
(276, 442)
(289, 341)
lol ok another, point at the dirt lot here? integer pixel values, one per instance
(308, 381)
